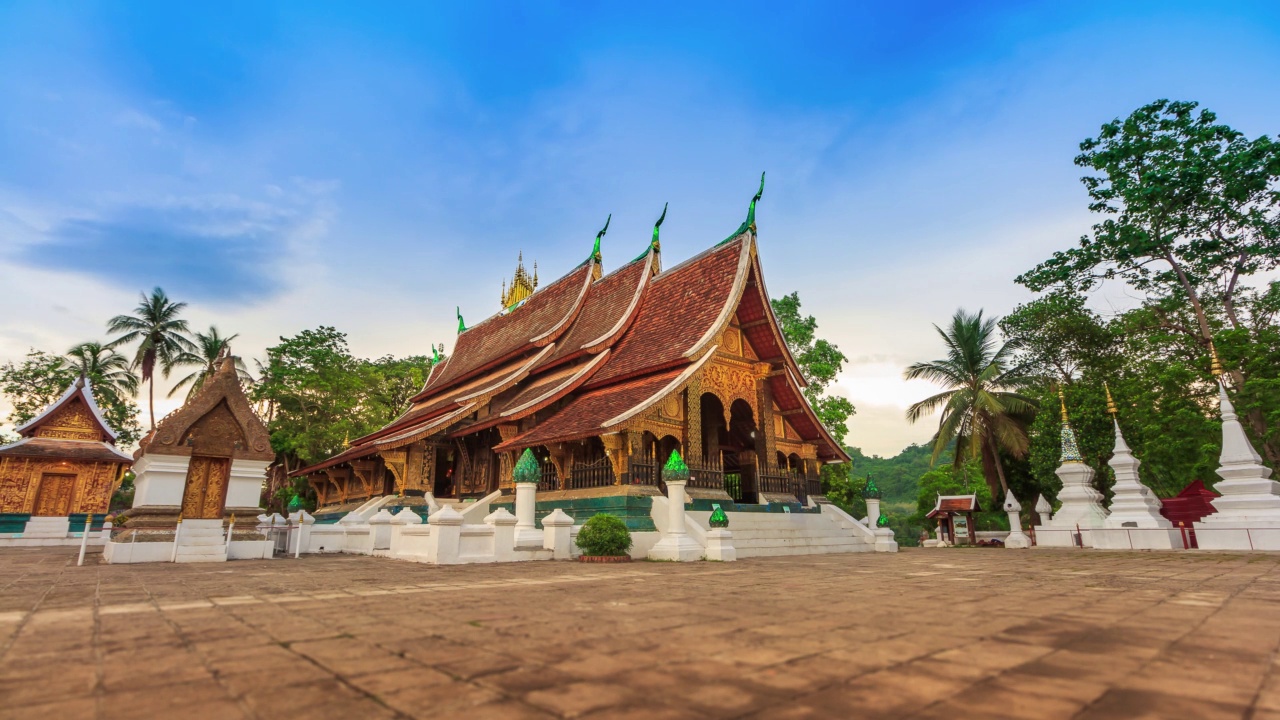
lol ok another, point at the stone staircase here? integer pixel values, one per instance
(760, 534)
(201, 541)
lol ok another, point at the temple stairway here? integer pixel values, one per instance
(201, 541)
(761, 534)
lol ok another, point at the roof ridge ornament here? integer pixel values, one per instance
(750, 222)
(462, 326)
(654, 245)
(595, 249)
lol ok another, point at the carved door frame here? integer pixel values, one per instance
(204, 504)
(68, 499)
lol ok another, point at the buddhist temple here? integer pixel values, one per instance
(603, 375)
(65, 464)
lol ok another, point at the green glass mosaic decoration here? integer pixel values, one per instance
(675, 470)
(871, 491)
(718, 518)
(883, 521)
(527, 470)
(1070, 450)
(462, 326)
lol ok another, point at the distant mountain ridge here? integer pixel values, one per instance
(899, 476)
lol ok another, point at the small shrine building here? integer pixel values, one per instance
(603, 375)
(64, 464)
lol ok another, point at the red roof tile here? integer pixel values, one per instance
(535, 323)
(69, 449)
(677, 311)
(585, 415)
(609, 307)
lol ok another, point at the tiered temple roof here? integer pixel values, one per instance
(71, 427)
(583, 354)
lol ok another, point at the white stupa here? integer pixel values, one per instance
(1017, 538)
(1248, 513)
(1081, 510)
(1135, 521)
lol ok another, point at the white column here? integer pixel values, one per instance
(1017, 539)
(873, 513)
(1044, 510)
(526, 533)
(676, 543)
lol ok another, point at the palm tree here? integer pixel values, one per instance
(107, 369)
(209, 350)
(982, 411)
(160, 334)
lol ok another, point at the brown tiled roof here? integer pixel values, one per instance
(954, 504)
(535, 323)
(677, 311)
(69, 449)
(547, 389)
(585, 415)
(609, 307)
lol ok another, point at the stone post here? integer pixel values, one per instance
(504, 526)
(719, 539)
(526, 476)
(1044, 510)
(380, 529)
(557, 529)
(446, 536)
(1017, 538)
(676, 543)
(873, 512)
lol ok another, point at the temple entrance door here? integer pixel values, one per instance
(442, 483)
(205, 493)
(53, 497)
(740, 450)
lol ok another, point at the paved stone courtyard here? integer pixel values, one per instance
(925, 633)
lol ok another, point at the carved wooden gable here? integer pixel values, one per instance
(72, 421)
(216, 421)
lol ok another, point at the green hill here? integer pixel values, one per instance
(898, 476)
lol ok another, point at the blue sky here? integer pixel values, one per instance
(371, 166)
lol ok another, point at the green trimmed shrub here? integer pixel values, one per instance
(604, 534)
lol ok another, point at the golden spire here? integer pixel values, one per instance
(1062, 401)
(346, 441)
(1111, 404)
(522, 285)
(1214, 366)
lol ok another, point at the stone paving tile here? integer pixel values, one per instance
(921, 634)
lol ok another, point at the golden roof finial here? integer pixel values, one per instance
(346, 441)
(1111, 404)
(1214, 366)
(1062, 401)
(522, 285)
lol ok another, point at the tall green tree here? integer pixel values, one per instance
(819, 360)
(109, 370)
(983, 412)
(161, 336)
(31, 385)
(1191, 212)
(208, 351)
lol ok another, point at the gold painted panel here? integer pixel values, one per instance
(206, 487)
(53, 499)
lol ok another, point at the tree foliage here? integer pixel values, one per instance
(31, 385)
(984, 414)
(819, 360)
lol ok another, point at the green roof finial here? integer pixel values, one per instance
(658, 224)
(750, 222)
(462, 326)
(435, 355)
(595, 251)
(675, 469)
(527, 470)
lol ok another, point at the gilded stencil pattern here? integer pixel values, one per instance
(54, 496)
(206, 485)
(72, 422)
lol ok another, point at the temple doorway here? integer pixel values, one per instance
(442, 484)
(739, 451)
(53, 497)
(206, 487)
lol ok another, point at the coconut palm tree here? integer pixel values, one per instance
(209, 350)
(982, 410)
(107, 369)
(161, 336)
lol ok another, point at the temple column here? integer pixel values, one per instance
(615, 450)
(767, 441)
(693, 420)
(396, 460)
